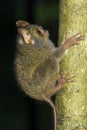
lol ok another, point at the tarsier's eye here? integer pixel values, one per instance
(40, 31)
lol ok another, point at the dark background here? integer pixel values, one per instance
(18, 111)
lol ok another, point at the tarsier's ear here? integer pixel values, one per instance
(21, 23)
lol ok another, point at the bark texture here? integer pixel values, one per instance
(71, 100)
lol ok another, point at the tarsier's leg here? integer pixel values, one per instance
(61, 81)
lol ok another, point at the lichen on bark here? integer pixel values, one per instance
(71, 100)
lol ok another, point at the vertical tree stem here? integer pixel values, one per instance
(71, 100)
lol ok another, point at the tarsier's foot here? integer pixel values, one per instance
(63, 79)
(74, 40)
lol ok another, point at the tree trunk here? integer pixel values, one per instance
(71, 100)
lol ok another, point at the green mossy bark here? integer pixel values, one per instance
(71, 100)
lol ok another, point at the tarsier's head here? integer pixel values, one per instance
(30, 34)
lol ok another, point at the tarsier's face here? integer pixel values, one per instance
(30, 34)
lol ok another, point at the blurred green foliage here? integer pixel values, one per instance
(44, 13)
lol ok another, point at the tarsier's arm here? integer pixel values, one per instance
(69, 42)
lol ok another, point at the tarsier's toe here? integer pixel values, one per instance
(79, 37)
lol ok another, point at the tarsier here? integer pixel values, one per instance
(37, 62)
